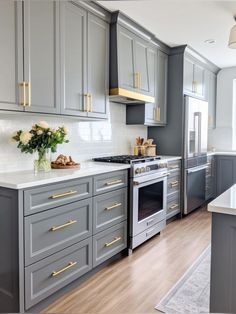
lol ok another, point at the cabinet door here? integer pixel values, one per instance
(211, 81)
(162, 76)
(98, 66)
(199, 80)
(143, 58)
(126, 58)
(11, 54)
(226, 173)
(74, 99)
(41, 55)
(188, 75)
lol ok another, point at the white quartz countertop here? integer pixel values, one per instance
(229, 153)
(28, 179)
(225, 203)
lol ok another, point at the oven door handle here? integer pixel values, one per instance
(157, 179)
(195, 169)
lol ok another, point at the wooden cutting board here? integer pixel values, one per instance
(55, 166)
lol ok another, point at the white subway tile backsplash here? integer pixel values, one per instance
(87, 139)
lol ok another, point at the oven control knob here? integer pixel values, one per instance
(138, 170)
(148, 169)
(143, 169)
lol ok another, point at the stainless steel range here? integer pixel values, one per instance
(148, 195)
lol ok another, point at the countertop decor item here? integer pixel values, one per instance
(64, 162)
(42, 140)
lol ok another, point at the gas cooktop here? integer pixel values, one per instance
(127, 159)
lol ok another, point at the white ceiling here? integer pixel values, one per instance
(178, 22)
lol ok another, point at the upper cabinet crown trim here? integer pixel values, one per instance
(94, 8)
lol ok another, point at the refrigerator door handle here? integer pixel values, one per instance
(196, 132)
(198, 168)
(199, 133)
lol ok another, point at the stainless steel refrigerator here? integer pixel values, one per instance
(195, 152)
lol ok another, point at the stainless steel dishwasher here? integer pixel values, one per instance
(194, 187)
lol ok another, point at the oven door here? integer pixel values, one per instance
(148, 203)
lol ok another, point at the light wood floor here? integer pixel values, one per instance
(135, 284)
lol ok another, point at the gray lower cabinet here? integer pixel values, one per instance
(109, 242)
(53, 234)
(52, 273)
(226, 173)
(11, 55)
(173, 189)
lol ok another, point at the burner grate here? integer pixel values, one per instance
(126, 159)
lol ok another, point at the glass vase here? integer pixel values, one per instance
(42, 163)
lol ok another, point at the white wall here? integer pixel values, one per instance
(222, 138)
(87, 139)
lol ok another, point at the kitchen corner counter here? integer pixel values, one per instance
(225, 203)
(27, 179)
(228, 153)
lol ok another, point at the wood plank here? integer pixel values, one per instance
(135, 284)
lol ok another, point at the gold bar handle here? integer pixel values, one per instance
(87, 102)
(113, 206)
(136, 80)
(91, 102)
(63, 194)
(174, 206)
(114, 182)
(174, 183)
(67, 224)
(23, 103)
(56, 273)
(113, 242)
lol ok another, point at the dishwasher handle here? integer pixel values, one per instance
(195, 169)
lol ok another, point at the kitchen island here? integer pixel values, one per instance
(223, 253)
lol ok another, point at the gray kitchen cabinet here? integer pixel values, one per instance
(53, 234)
(41, 56)
(126, 62)
(153, 114)
(11, 55)
(84, 62)
(226, 172)
(98, 66)
(74, 98)
(194, 78)
(211, 82)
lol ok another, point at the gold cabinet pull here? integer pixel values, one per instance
(114, 182)
(174, 206)
(63, 194)
(23, 103)
(136, 80)
(113, 206)
(69, 223)
(174, 183)
(158, 114)
(58, 272)
(87, 102)
(91, 103)
(29, 94)
(113, 242)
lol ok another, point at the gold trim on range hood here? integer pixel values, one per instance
(132, 96)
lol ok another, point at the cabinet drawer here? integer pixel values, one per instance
(110, 181)
(174, 165)
(109, 242)
(109, 209)
(51, 231)
(173, 184)
(173, 203)
(51, 274)
(42, 198)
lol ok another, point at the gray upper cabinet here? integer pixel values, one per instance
(153, 114)
(98, 66)
(11, 55)
(41, 56)
(194, 78)
(84, 62)
(74, 98)
(211, 82)
(125, 54)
